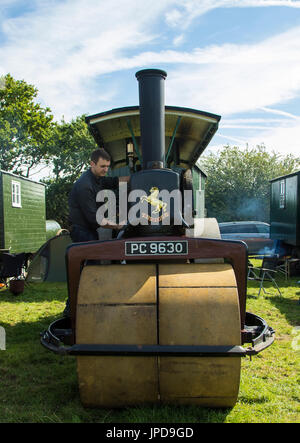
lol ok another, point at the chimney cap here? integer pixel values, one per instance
(151, 72)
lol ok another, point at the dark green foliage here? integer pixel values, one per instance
(238, 186)
(24, 126)
(70, 145)
(57, 193)
(29, 137)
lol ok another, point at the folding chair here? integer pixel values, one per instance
(251, 274)
(266, 273)
(12, 265)
(281, 265)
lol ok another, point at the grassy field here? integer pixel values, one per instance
(39, 386)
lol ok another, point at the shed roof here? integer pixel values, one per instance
(20, 177)
(286, 176)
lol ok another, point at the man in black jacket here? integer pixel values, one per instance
(82, 199)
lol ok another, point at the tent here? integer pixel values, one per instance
(48, 263)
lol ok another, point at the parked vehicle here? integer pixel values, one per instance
(254, 233)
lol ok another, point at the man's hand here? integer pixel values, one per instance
(106, 223)
(124, 178)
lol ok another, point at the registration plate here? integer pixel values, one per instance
(156, 248)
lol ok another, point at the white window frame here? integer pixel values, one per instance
(282, 194)
(16, 194)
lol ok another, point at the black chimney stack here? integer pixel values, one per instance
(152, 117)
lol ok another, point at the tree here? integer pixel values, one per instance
(29, 136)
(57, 193)
(70, 146)
(24, 126)
(238, 182)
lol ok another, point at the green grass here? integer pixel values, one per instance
(39, 386)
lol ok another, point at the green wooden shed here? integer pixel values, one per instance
(22, 213)
(285, 209)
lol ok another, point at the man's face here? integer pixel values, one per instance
(100, 168)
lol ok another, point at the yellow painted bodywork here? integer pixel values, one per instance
(167, 304)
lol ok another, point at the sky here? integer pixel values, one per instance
(236, 58)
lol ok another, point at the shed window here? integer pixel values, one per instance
(282, 194)
(16, 194)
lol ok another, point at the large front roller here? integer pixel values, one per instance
(165, 304)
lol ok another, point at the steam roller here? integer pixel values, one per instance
(158, 311)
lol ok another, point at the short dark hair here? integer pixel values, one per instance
(100, 153)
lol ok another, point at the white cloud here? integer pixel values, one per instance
(178, 40)
(185, 11)
(281, 135)
(283, 139)
(62, 47)
(232, 79)
(66, 48)
(283, 113)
